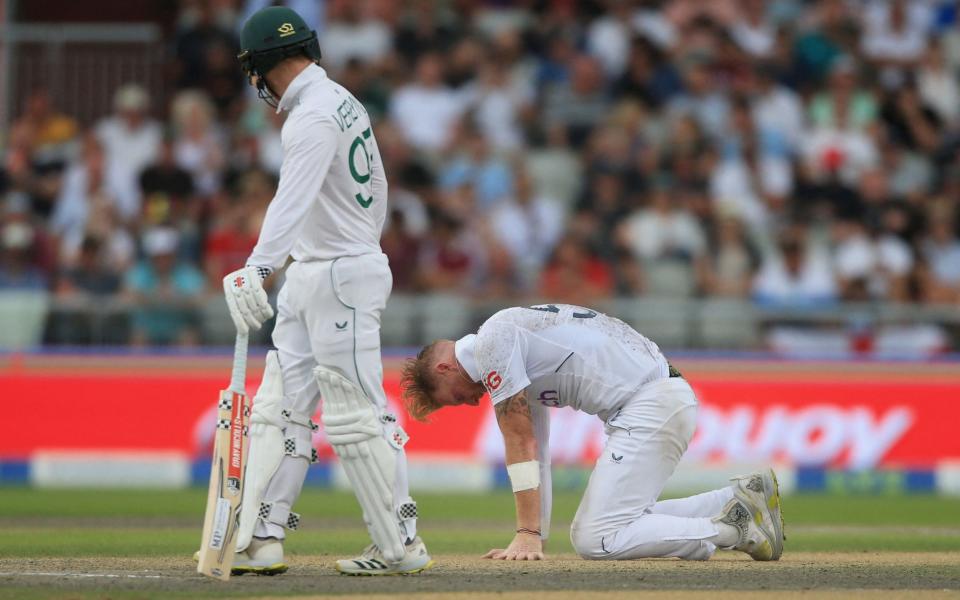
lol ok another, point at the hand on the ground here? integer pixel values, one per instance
(247, 299)
(525, 546)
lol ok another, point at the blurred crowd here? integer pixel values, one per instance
(795, 153)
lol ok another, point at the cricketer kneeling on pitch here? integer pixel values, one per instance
(532, 359)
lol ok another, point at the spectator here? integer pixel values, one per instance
(870, 267)
(843, 104)
(608, 38)
(403, 249)
(941, 250)
(938, 86)
(234, 233)
(450, 257)
(165, 293)
(130, 141)
(731, 261)
(798, 274)
(18, 267)
(777, 111)
(664, 230)
(649, 76)
(527, 226)
(91, 276)
(701, 99)
(752, 30)
(749, 179)
(579, 102)
(838, 151)
(202, 47)
(426, 110)
(45, 134)
(575, 275)
(351, 34)
(475, 165)
(499, 108)
(88, 207)
(895, 32)
(198, 148)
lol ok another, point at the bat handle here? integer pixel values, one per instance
(238, 378)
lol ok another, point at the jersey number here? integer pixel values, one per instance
(552, 308)
(363, 179)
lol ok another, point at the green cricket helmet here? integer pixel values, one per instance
(269, 36)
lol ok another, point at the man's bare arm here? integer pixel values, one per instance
(520, 445)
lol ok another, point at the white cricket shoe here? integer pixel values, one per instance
(264, 556)
(762, 491)
(752, 539)
(372, 562)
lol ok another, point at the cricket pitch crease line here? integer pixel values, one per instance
(69, 574)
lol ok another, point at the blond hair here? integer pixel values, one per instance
(417, 387)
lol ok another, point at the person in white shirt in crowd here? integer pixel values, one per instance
(838, 150)
(941, 251)
(895, 32)
(499, 106)
(131, 141)
(608, 38)
(752, 176)
(198, 147)
(87, 207)
(351, 33)
(880, 263)
(938, 85)
(753, 30)
(701, 98)
(532, 360)
(798, 273)
(528, 225)
(426, 110)
(327, 215)
(777, 110)
(663, 230)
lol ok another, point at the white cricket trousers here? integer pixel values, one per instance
(328, 314)
(619, 517)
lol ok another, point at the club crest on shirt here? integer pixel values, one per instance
(493, 380)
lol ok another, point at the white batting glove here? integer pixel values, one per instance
(246, 297)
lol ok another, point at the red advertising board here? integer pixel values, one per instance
(838, 415)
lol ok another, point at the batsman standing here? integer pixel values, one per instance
(327, 215)
(533, 359)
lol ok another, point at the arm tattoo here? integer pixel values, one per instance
(514, 407)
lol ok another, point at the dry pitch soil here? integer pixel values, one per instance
(835, 575)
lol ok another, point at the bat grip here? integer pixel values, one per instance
(238, 377)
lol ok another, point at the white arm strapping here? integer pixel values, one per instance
(524, 476)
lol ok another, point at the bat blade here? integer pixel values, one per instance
(225, 493)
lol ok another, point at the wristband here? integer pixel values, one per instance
(535, 532)
(524, 476)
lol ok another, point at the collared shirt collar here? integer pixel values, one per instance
(300, 82)
(463, 348)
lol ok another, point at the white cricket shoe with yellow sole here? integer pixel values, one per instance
(371, 561)
(262, 557)
(761, 491)
(751, 538)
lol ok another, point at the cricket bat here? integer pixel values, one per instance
(226, 473)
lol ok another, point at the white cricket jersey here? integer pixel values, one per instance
(332, 197)
(563, 355)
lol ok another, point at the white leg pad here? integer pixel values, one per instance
(273, 435)
(356, 434)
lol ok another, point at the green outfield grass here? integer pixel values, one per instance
(76, 523)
